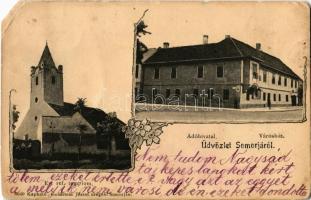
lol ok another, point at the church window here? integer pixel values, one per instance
(36, 99)
(36, 118)
(53, 79)
(220, 72)
(200, 71)
(226, 94)
(37, 80)
(136, 71)
(156, 73)
(173, 73)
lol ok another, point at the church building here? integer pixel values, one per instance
(59, 126)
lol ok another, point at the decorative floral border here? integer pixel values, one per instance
(140, 131)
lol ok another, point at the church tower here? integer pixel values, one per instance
(46, 81)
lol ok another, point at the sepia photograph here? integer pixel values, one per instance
(55, 134)
(224, 78)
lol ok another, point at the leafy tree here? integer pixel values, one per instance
(15, 116)
(80, 104)
(141, 48)
(107, 128)
(140, 29)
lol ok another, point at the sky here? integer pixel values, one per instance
(94, 41)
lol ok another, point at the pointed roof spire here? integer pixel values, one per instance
(46, 59)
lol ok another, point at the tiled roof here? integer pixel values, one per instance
(92, 115)
(229, 48)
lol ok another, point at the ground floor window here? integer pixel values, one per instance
(135, 92)
(274, 97)
(264, 96)
(167, 93)
(210, 93)
(177, 92)
(226, 94)
(196, 92)
(280, 97)
(154, 92)
(286, 98)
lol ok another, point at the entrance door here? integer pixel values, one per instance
(269, 100)
(294, 103)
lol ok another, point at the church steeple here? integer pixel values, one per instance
(46, 81)
(46, 59)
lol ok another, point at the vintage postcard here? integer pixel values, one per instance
(156, 100)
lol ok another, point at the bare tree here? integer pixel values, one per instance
(81, 128)
(79, 106)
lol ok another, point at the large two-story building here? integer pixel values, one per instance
(228, 73)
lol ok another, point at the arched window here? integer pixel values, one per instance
(53, 80)
(37, 80)
(36, 118)
(36, 99)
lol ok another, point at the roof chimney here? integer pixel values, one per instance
(258, 46)
(205, 39)
(166, 45)
(227, 36)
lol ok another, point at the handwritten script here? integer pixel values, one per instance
(195, 174)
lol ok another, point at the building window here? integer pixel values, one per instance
(36, 118)
(285, 81)
(286, 98)
(291, 83)
(177, 92)
(136, 71)
(135, 92)
(167, 93)
(264, 96)
(280, 80)
(196, 92)
(53, 80)
(200, 71)
(154, 92)
(173, 73)
(273, 79)
(36, 99)
(274, 97)
(280, 98)
(156, 73)
(210, 93)
(220, 72)
(255, 73)
(226, 94)
(37, 80)
(295, 84)
(264, 78)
